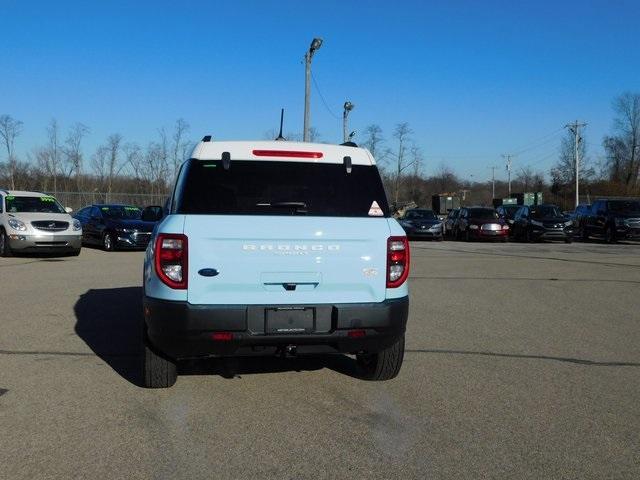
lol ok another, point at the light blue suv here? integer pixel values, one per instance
(276, 247)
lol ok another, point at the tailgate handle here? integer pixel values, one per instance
(292, 286)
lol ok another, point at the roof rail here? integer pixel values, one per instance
(4, 190)
(349, 144)
(206, 138)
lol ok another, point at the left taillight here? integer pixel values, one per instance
(397, 261)
(171, 259)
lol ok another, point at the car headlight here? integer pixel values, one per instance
(569, 223)
(473, 227)
(435, 227)
(125, 230)
(77, 225)
(620, 222)
(537, 223)
(17, 224)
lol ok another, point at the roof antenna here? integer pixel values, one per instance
(280, 137)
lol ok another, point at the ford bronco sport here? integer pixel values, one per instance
(276, 247)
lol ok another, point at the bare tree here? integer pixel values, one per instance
(133, 160)
(401, 134)
(179, 146)
(445, 180)
(106, 162)
(373, 139)
(623, 147)
(54, 152)
(563, 172)
(73, 152)
(10, 129)
(314, 135)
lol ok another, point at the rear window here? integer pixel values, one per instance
(483, 213)
(280, 188)
(624, 206)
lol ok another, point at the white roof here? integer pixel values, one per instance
(274, 151)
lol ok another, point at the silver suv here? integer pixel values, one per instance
(36, 222)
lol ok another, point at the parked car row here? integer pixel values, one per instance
(610, 220)
(35, 222)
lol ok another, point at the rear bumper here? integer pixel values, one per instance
(44, 243)
(181, 330)
(488, 234)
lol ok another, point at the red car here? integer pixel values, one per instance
(481, 223)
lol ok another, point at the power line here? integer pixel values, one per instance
(324, 102)
(535, 143)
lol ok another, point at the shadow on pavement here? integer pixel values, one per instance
(109, 322)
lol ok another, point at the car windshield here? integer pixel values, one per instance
(544, 211)
(281, 188)
(39, 204)
(421, 215)
(625, 206)
(483, 213)
(121, 212)
(510, 210)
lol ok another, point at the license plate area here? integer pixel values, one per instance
(290, 320)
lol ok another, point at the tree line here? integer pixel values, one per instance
(116, 165)
(61, 163)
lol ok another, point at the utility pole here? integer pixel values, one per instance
(508, 157)
(493, 181)
(575, 129)
(348, 106)
(316, 43)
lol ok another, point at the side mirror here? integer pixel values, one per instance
(68, 209)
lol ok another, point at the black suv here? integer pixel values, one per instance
(542, 222)
(613, 220)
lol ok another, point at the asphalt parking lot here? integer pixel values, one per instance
(523, 361)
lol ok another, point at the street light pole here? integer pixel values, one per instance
(575, 129)
(315, 45)
(348, 106)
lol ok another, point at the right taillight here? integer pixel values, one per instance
(171, 259)
(397, 261)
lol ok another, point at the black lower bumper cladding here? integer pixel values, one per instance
(182, 330)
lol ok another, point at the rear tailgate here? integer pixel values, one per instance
(275, 260)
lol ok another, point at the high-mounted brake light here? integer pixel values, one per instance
(171, 260)
(397, 261)
(287, 153)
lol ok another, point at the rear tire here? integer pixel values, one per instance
(527, 236)
(157, 371)
(5, 248)
(383, 365)
(584, 235)
(609, 235)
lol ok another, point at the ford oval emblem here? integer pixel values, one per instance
(208, 272)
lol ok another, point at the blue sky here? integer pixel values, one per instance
(473, 78)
